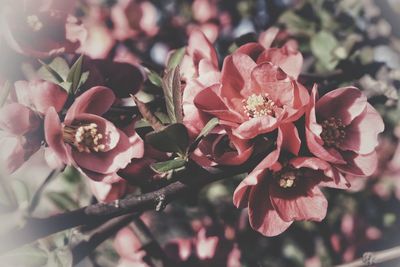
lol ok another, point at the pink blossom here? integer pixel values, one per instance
(255, 94)
(20, 119)
(90, 142)
(128, 247)
(204, 10)
(131, 18)
(342, 128)
(41, 28)
(107, 192)
(200, 70)
(280, 191)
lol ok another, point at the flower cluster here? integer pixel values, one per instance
(104, 114)
(309, 141)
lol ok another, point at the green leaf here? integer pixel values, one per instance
(173, 94)
(27, 256)
(322, 46)
(62, 200)
(83, 79)
(173, 138)
(75, 74)
(154, 78)
(166, 166)
(211, 124)
(176, 58)
(46, 72)
(296, 24)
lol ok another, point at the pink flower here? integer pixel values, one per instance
(200, 70)
(20, 120)
(204, 10)
(90, 142)
(342, 128)
(131, 18)
(107, 192)
(255, 94)
(40, 95)
(41, 28)
(129, 248)
(100, 39)
(281, 190)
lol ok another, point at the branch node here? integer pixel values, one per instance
(368, 258)
(160, 199)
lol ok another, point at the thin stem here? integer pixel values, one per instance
(155, 255)
(373, 258)
(196, 178)
(98, 236)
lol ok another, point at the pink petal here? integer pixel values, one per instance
(18, 119)
(344, 103)
(106, 162)
(40, 95)
(12, 155)
(262, 214)
(256, 126)
(199, 47)
(126, 243)
(309, 207)
(253, 50)
(291, 139)
(54, 136)
(236, 79)
(359, 165)
(362, 133)
(105, 192)
(209, 101)
(96, 100)
(290, 63)
(267, 37)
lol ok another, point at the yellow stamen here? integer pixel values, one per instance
(34, 22)
(85, 138)
(259, 105)
(333, 132)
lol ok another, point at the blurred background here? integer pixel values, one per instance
(344, 42)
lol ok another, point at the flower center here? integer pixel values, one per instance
(85, 138)
(287, 180)
(259, 105)
(34, 22)
(333, 132)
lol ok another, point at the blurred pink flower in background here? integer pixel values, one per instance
(41, 28)
(21, 118)
(129, 248)
(132, 18)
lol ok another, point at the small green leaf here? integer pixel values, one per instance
(211, 124)
(154, 78)
(27, 256)
(176, 58)
(322, 46)
(166, 166)
(173, 94)
(173, 138)
(46, 72)
(83, 79)
(62, 200)
(75, 74)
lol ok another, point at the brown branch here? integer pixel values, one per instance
(372, 258)
(155, 255)
(196, 178)
(98, 236)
